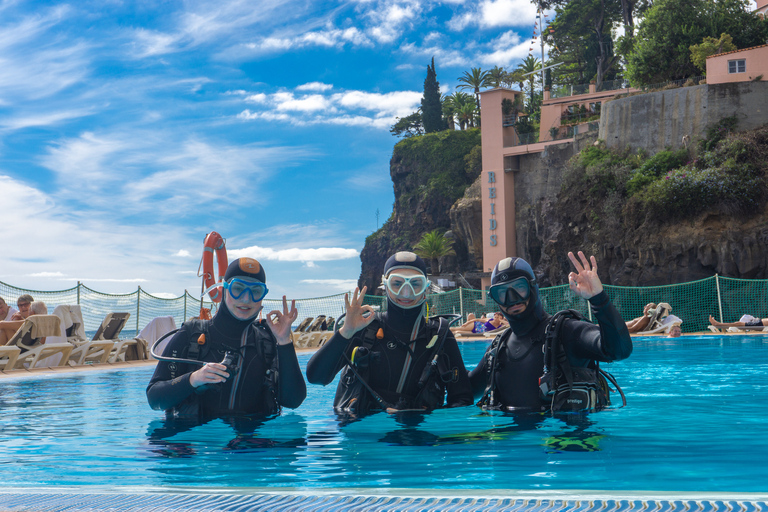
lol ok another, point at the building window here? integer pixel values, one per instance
(737, 66)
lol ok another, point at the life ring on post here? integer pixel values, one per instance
(214, 243)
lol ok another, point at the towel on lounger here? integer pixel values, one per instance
(45, 325)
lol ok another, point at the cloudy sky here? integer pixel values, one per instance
(129, 130)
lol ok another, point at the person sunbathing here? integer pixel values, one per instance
(744, 321)
(482, 325)
(641, 323)
(9, 327)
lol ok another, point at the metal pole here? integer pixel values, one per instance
(138, 304)
(185, 304)
(541, 38)
(78, 292)
(461, 302)
(719, 298)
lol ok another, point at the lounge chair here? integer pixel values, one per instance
(109, 330)
(8, 357)
(316, 324)
(29, 340)
(304, 324)
(73, 331)
(329, 322)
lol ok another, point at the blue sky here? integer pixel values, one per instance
(129, 130)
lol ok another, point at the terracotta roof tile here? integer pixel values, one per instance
(737, 51)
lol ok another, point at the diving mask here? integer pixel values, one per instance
(512, 292)
(238, 287)
(397, 283)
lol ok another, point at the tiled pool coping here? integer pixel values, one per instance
(369, 500)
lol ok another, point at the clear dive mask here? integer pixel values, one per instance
(397, 284)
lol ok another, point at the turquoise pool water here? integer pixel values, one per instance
(694, 422)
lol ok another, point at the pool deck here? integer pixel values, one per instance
(36, 372)
(362, 499)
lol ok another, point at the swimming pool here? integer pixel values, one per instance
(694, 423)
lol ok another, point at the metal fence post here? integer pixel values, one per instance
(138, 304)
(185, 303)
(78, 292)
(719, 298)
(461, 302)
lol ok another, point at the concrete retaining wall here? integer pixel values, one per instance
(658, 120)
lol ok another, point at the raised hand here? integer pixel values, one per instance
(280, 323)
(584, 282)
(355, 319)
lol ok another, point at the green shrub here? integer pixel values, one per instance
(658, 165)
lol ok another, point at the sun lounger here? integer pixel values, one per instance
(316, 324)
(304, 324)
(73, 331)
(29, 340)
(329, 322)
(8, 357)
(494, 332)
(109, 330)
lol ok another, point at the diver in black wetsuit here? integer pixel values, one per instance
(513, 384)
(391, 351)
(262, 372)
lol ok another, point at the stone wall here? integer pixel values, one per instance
(658, 120)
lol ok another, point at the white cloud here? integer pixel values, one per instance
(183, 253)
(314, 86)
(342, 285)
(347, 108)
(167, 174)
(294, 254)
(326, 38)
(495, 13)
(46, 274)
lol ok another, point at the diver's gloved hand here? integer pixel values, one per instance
(211, 373)
(280, 323)
(355, 320)
(584, 282)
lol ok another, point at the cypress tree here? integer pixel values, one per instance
(431, 107)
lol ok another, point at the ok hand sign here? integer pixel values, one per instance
(355, 319)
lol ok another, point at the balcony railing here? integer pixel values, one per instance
(527, 138)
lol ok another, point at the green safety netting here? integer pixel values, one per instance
(724, 298)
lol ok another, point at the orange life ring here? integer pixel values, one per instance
(214, 242)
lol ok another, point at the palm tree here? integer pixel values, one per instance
(495, 77)
(514, 78)
(529, 65)
(449, 111)
(453, 105)
(467, 116)
(433, 246)
(474, 80)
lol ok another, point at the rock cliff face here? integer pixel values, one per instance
(429, 175)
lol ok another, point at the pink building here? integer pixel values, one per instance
(502, 148)
(739, 65)
(762, 7)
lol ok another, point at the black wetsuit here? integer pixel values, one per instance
(393, 370)
(252, 390)
(521, 361)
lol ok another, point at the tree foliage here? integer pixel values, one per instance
(433, 246)
(474, 80)
(431, 106)
(710, 46)
(408, 126)
(662, 49)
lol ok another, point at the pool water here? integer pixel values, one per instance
(694, 422)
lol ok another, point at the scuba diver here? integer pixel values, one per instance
(231, 365)
(397, 360)
(546, 363)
